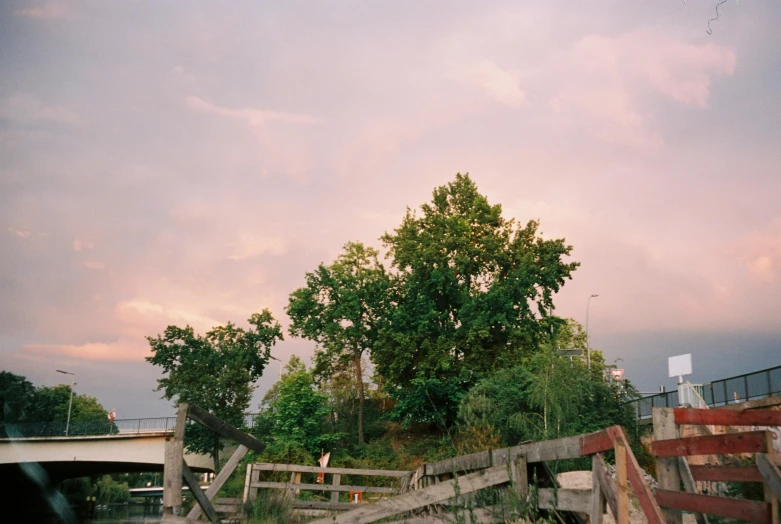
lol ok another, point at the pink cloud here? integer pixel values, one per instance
(254, 117)
(49, 10)
(760, 252)
(121, 350)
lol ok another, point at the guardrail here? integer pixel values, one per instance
(132, 426)
(740, 388)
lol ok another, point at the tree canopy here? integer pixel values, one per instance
(340, 308)
(470, 290)
(215, 371)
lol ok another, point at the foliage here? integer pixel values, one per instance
(469, 290)
(215, 371)
(51, 405)
(17, 398)
(271, 507)
(106, 489)
(340, 308)
(294, 415)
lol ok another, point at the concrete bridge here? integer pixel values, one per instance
(80, 456)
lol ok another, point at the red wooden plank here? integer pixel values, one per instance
(747, 510)
(726, 473)
(595, 443)
(746, 442)
(642, 491)
(728, 417)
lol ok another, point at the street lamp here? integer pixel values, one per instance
(70, 404)
(588, 344)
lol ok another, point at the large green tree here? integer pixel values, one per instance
(471, 289)
(294, 415)
(340, 308)
(17, 398)
(215, 371)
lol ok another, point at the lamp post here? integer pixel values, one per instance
(588, 343)
(70, 403)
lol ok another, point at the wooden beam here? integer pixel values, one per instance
(667, 473)
(519, 473)
(198, 493)
(224, 429)
(597, 509)
(417, 499)
(226, 471)
(181, 421)
(337, 480)
(747, 510)
(710, 473)
(172, 477)
(321, 487)
(746, 442)
(645, 496)
(596, 442)
(728, 417)
(606, 484)
(772, 477)
(578, 500)
(690, 485)
(621, 478)
(340, 471)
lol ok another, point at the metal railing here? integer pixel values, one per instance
(750, 386)
(131, 426)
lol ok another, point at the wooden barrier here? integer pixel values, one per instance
(669, 448)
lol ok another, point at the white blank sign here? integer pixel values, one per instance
(680, 365)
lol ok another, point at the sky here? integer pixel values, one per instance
(187, 163)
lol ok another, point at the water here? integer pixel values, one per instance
(130, 513)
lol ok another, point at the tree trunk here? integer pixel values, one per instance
(361, 398)
(216, 454)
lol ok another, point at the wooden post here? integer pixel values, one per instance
(667, 473)
(172, 466)
(226, 471)
(247, 481)
(621, 478)
(337, 481)
(520, 475)
(770, 496)
(690, 485)
(597, 498)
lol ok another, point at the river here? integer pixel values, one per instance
(120, 513)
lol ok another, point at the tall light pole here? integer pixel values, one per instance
(588, 343)
(70, 404)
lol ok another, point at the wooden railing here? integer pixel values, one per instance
(334, 486)
(673, 470)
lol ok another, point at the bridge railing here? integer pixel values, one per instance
(131, 426)
(750, 386)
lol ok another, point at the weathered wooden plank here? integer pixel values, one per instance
(341, 471)
(337, 480)
(596, 443)
(321, 504)
(667, 473)
(226, 471)
(645, 496)
(597, 509)
(747, 510)
(225, 508)
(224, 429)
(606, 484)
(519, 473)
(566, 499)
(690, 485)
(746, 442)
(425, 497)
(247, 480)
(728, 417)
(321, 487)
(172, 477)
(197, 492)
(711, 473)
(770, 474)
(181, 421)
(621, 479)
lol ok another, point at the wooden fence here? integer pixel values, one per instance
(335, 486)
(671, 452)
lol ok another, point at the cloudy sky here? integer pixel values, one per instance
(173, 163)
